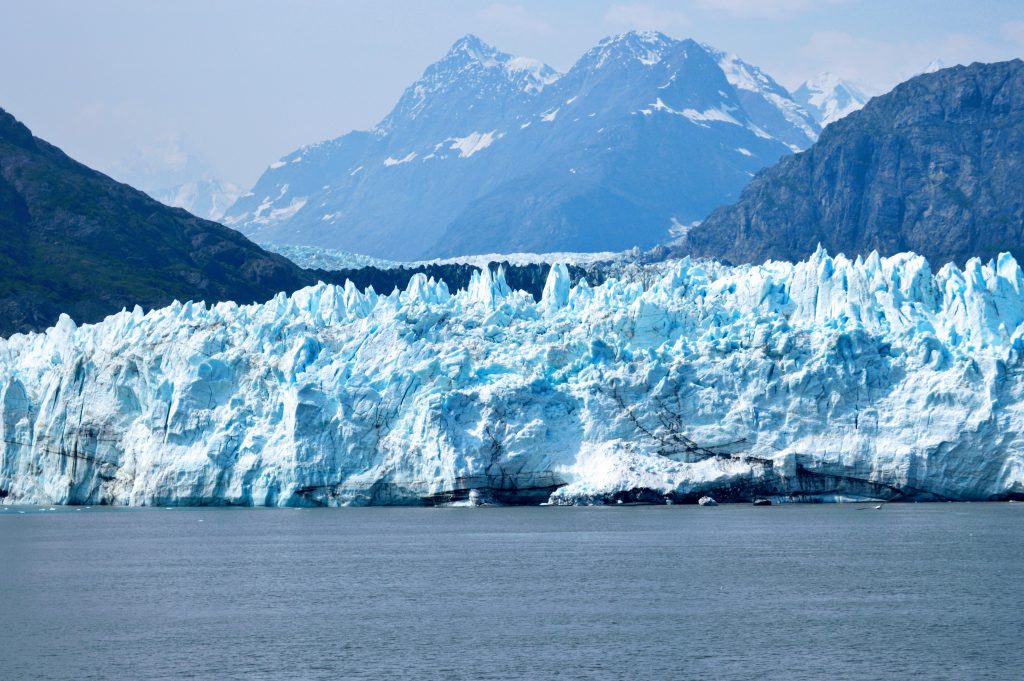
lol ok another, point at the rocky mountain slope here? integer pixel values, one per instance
(490, 153)
(935, 166)
(77, 242)
(822, 380)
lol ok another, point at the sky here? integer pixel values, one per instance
(162, 92)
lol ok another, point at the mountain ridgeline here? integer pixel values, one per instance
(493, 153)
(935, 167)
(77, 242)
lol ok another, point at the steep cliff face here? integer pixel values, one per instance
(936, 166)
(823, 379)
(77, 242)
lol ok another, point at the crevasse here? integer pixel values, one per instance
(820, 380)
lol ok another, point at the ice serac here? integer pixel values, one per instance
(820, 380)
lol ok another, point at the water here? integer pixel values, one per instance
(736, 592)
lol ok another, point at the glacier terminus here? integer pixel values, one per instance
(824, 380)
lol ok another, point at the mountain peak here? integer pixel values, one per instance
(14, 131)
(647, 47)
(470, 54)
(470, 51)
(829, 97)
(644, 37)
(827, 81)
(473, 48)
(479, 71)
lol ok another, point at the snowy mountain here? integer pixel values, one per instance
(206, 198)
(821, 380)
(828, 97)
(493, 153)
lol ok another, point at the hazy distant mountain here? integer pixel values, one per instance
(174, 175)
(206, 198)
(493, 153)
(936, 167)
(828, 97)
(76, 241)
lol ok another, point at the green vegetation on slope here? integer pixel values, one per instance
(76, 241)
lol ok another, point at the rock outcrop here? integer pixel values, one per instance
(936, 167)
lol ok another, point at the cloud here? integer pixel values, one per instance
(884, 64)
(762, 9)
(515, 17)
(1013, 32)
(645, 17)
(159, 162)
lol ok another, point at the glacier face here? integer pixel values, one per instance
(817, 380)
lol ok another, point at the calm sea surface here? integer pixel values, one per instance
(929, 591)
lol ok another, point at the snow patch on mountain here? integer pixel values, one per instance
(474, 142)
(709, 115)
(266, 213)
(718, 115)
(391, 161)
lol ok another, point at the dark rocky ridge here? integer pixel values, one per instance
(77, 242)
(936, 166)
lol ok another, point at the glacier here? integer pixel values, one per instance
(823, 380)
(317, 257)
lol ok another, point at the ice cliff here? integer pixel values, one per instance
(823, 379)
